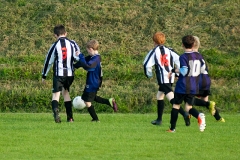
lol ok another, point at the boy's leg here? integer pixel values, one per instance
(57, 87)
(68, 104)
(111, 102)
(173, 118)
(101, 100)
(185, 115)
(160, 108)
(160, 105)
(209, 105)
(199, 116)
(55, 109)
(218, 117)
(93, 114)
(88, 97)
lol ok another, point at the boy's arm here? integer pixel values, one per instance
(148, 63)
(48, 62)
(89, 66)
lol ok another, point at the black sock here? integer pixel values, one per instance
(182, 112)
(174, 117)
(207, 103)
(102, 100)
(54, 105)
(217, 115)
(68, 106)
(194, 112)
(200, 102)
(160, 108)
(92, 112)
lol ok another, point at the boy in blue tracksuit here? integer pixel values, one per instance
(92, 64)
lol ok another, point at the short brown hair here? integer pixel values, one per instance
(159, 38)
(93, 44)
(188, 41)
(59, 30)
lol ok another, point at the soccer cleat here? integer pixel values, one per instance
(221, 120)
(70, 120)
(171, 131)
(113, 104)
(95, 120)
(187, 119)
(201, 122)
(212, 109)
(156, 122)
(56, 116)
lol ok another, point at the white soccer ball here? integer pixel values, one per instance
(78, 103)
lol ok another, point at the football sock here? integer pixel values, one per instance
(92, 112)
(160, 108)
(174, 117)
(200, 102)
(194, 112)
(54, 105)
(182, 112)
(207, 103)
(68, 106)
(102, 100)
(217, 115)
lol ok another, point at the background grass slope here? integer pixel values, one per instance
(124, 29)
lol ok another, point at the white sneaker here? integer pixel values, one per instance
(201, 122)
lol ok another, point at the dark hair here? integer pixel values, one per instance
(59, 30)
(188, 41)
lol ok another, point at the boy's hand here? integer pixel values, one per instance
(77, 53)
(169, 75)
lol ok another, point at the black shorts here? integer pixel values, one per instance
(187, 98)
(89, 96)
(60, 82)
(165, 88)
(203, 93)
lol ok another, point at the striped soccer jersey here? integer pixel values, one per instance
(61, 55)
(164, 59)
(189, 84)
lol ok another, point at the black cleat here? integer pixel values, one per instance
(56, 116)
(187, 119)
(95, 120)
(156, 122)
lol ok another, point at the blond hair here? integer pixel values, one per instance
(93, 44)
(196, 44)
(159, 38)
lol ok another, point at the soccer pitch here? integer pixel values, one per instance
(116, 137)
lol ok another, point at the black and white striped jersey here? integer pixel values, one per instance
(164, 59)
(61, 55)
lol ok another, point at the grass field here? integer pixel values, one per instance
(117, 136)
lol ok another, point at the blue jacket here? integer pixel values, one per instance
(92, 64)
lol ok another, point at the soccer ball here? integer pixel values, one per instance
(78, 103)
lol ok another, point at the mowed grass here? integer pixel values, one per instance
(117, 136)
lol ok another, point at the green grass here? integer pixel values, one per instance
(117, 136)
